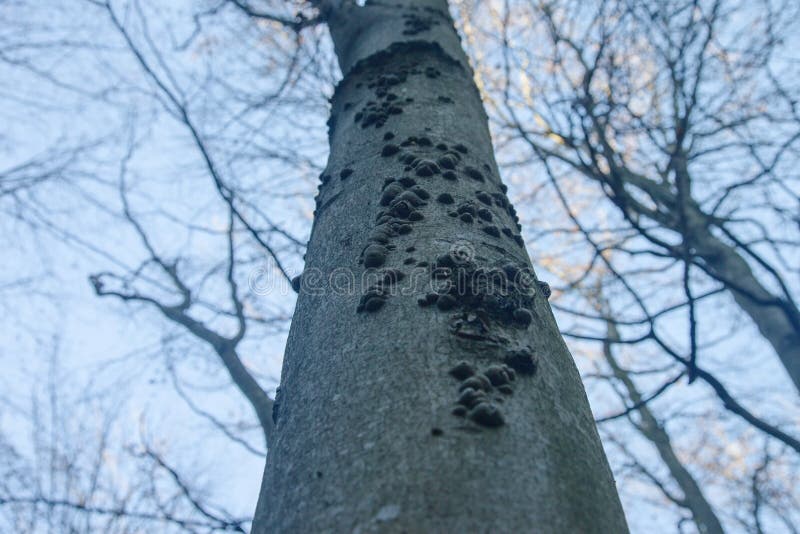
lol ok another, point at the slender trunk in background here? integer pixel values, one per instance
(438, 395)
(777, 319)
(693, 499)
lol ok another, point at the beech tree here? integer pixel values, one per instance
(439, 395)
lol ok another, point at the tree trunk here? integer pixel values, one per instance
(693, 499)
(425, 386)
(776, 319)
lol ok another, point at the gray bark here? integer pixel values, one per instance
(693, 499)
(369, 435)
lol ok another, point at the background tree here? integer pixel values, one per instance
(89, 473)
(682, 115)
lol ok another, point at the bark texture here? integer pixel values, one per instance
(429, 398)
